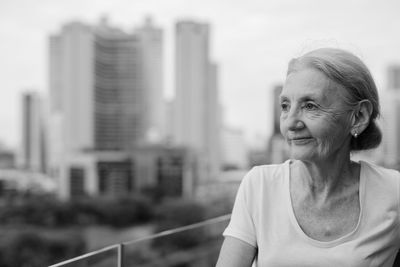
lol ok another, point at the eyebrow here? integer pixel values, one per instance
(303, 98)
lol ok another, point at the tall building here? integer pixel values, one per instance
(393, 77)
(106, 95)
(71, 87)
(390, 124)
(33, 149)
(276, 109)
(118, 90)
(107, 85)
(388, 153)
(196, 108)
(151, 53)
(277, 149)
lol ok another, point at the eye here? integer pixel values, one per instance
(284, 106)
(310, 106)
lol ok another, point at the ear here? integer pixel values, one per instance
(361, 117)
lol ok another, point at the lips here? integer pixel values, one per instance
(300, 140)
(299, 137)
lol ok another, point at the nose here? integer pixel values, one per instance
(293, 120)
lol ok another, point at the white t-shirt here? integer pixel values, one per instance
(263, 217)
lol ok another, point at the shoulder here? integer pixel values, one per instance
(381, 194)
(379, 172)
(381, 180)
(262, 186)
(265, 175)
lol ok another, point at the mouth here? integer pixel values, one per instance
(300, 140)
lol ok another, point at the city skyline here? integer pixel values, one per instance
(252, 44)
(106, 123)
(105, 88)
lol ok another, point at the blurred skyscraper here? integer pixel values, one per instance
(196, 104)
(71, 85)
(388, 153)
(151, 53)
(33, 148)
(103, 82)
(390, 121)
(106, 98)
(393, 76)
(277, 149)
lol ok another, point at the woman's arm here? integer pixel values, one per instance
(236, 253)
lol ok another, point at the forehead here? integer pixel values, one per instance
(312, 83)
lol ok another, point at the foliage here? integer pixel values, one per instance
(50, 212)
(29, 249)
(176, 214)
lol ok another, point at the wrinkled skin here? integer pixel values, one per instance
(315, 119)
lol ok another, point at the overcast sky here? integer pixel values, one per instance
(252, 41)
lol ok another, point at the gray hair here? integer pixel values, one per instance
(352, 74)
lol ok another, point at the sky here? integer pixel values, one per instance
(251, 41)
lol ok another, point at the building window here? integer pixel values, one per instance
(77, 181)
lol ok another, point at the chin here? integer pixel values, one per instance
(302, 154)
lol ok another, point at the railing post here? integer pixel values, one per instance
(121, 255)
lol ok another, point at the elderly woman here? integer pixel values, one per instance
(319, 208)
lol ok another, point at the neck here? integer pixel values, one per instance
(324, 179)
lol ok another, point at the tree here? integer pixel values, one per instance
(176, 214)
(29, 249)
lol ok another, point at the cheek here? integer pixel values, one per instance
(282, 126)
(332, 131)
(332, 120)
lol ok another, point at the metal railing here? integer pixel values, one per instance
(198, 242)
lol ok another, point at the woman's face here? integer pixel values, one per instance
(315, 120)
